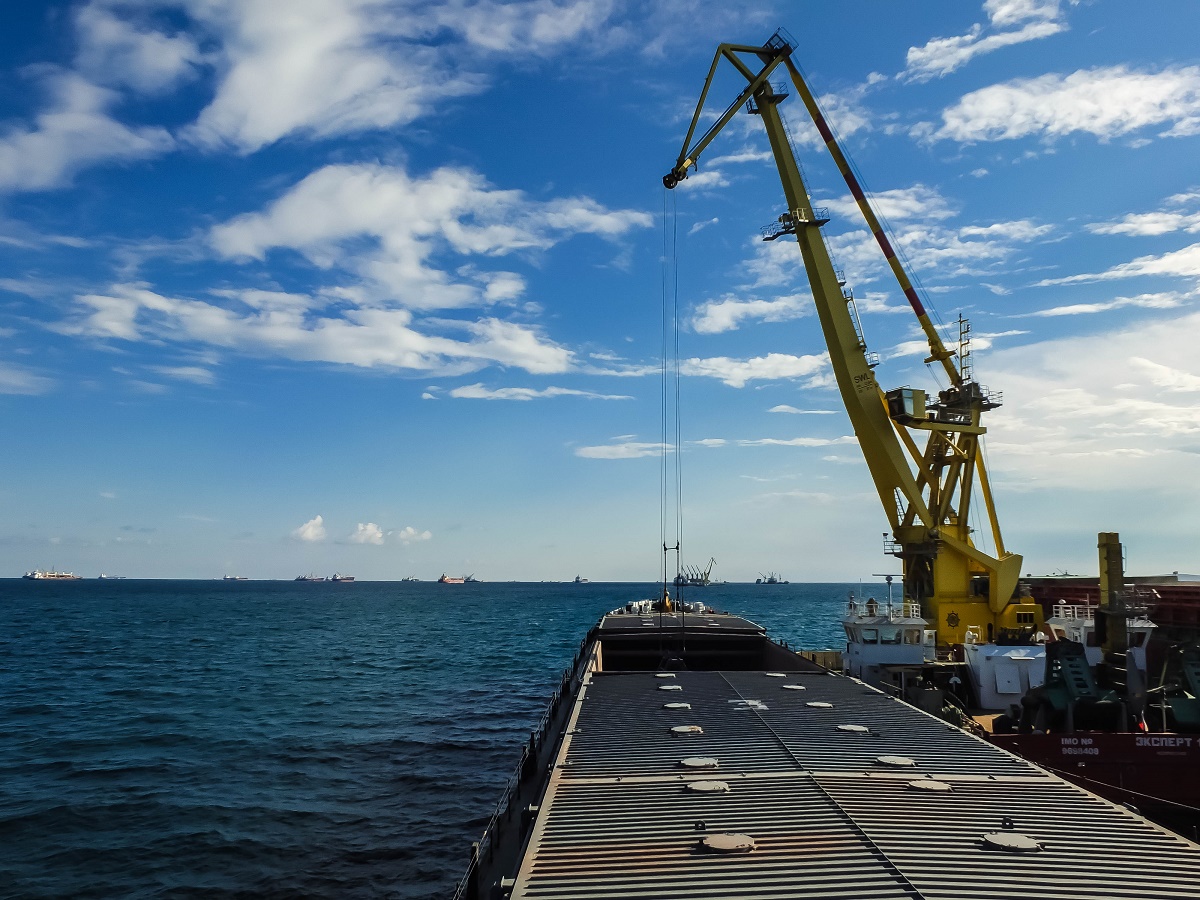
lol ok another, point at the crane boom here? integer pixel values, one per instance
(926, 491)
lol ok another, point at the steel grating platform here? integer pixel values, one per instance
(619, 818)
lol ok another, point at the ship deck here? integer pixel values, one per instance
(619, 816)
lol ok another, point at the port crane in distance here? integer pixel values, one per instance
(925, 486)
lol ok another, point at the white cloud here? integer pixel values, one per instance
(919, 229)
(121, 52)
(75, 132)
(624, 450)
(408, 220)
(367, 338)
(108, 495)
(704, 180)
(799, 442)
(1033, 20)
(1105, 102)
(701, 225)
(1153, 223)
(746, 154)
(366, 533)
(1163, 221)
(479, 392)
(916, 202)
(311, 531)
(1112, 410)
(1183, 263)
(843, 111)
(784, 408)
(1167, 378)
(194, 374)
(327, 67)
(1162, 300)
(726, 314)
(408, 535)
(772, 367)
(534, 26)
(16, 379)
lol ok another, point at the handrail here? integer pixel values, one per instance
(537, 738)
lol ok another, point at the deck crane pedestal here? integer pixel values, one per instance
(926, 487)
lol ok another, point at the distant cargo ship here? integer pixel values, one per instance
(770, 578)
(228, 578)
(338, 576)
(310, 577)
(42, 574)
(451, 579)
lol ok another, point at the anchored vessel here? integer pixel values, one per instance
(51, 574)
(688, 755)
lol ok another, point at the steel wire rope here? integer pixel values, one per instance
(897, 248)
(1069, 776)
(667, 263)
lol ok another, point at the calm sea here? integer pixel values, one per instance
(275, 739)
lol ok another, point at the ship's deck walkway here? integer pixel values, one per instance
(620, 817)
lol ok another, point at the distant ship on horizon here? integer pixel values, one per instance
(338, 576)
(310, 577)
(51, 574)
(228, 578)
(451, 579)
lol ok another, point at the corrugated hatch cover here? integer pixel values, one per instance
(827, 820)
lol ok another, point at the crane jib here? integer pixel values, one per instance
(964, 591)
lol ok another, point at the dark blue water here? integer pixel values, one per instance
(274, 739)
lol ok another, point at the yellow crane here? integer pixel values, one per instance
(926, 486)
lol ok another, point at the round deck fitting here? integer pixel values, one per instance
(1011, 842)
(677, 706)
(708, 787)
(897, 762)
(687, 729)
(728, 843)
(930, 784)
(700, 762)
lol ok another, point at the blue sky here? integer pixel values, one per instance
(377, 286)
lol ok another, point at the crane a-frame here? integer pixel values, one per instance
(926, 488)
